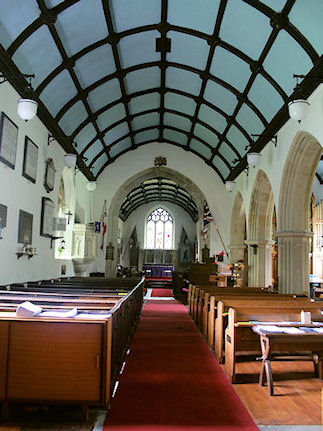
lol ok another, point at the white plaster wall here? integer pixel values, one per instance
(16, 192)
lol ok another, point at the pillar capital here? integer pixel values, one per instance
(260, 242)
(236, 246)
(293, 234)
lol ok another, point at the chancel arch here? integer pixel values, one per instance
(134, 182)
(260, 235)
(294, 211)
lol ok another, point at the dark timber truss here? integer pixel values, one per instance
(158, 189)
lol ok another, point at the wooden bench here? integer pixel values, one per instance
(275, 345)
(223, 305)
(239, 337)
(197, 294)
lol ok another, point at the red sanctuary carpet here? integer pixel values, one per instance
(171, 380)
(162, 293)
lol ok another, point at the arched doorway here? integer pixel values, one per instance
(260, 240)
(294, 211)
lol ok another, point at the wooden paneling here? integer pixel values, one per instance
(4, 329)
(54, 361)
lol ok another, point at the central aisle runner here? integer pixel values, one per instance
(162, 293)
(171, 381)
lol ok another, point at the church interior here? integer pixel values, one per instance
(161, 200)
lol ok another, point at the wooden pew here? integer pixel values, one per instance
(205, 306)
(223, 305)
(239, 337)
(197, 292)
(74, 360)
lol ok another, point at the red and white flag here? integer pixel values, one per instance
(207, 219)
(103, 223)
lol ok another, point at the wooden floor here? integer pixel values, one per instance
(296, 401)
(297, 393)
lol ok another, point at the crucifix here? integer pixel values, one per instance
(69, 214)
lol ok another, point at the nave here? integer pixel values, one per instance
(170, 381)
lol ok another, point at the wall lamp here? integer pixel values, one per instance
(229, 185)
(274, 139)
(52, 138)
(70, 160)
(27, 105)
(298, 107)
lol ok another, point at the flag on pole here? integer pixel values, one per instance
(207, 219)
(103, 222)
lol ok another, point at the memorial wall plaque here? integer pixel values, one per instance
(3, 215)
(8, 141)
(25, 229)
(29, 169)
(47, 217)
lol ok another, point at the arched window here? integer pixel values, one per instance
(159, 230)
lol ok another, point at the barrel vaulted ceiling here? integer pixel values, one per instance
(204, 75)
(158, 189)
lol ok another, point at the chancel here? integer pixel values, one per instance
(161, 189)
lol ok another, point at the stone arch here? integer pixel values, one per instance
(135, 181)
(260, 233)
(237, 229)
(293, 215)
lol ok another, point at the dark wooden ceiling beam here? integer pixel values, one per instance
(82, 94)
(8, 68)
(163, 28)
(120, 71)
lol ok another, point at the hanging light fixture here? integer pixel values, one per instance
(27, 106)
(91, 186)
(229, 185)
(298, 108)
(253, 159)
(70, 160)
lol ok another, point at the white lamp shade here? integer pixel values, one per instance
(298, 109)
(91, 186)
(253, 159)
(229, 185)
(70, 160)
(27, 109)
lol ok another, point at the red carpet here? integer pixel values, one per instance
(171, 381)
(162, 293)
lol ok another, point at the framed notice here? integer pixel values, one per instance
(25, 229)
(29, 168)
(47, 217)
(49, 180)
(3, 215)
(8, 141)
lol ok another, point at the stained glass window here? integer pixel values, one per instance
(159, 231)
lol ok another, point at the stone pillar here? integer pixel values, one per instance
(236, 252)
(293, 265)
(259, 262)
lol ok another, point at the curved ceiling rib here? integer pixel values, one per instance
(158, 189)
(112, 76)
